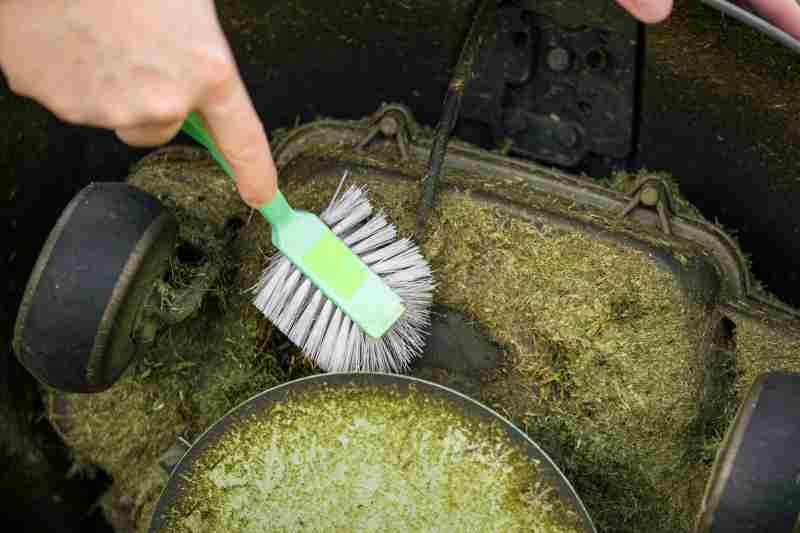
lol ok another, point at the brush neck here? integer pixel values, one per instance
(277, 211)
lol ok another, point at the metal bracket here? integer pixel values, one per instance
(391, 123)
(653, 193)
(557, 82)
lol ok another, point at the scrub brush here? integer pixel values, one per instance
(344, 289)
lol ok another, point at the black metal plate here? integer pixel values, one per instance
(558, 87)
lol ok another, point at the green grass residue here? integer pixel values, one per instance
(366, 459)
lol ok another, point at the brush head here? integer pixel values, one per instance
(328, 263)
(291, 301)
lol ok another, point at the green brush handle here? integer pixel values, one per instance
(319, 254)
(193, 126)
(276, 211)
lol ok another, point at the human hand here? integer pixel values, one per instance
(137, 68)
(649, 11)
(784, 14)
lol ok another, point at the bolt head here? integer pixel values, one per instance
(389, 126)
(558, 59)
(650, 195)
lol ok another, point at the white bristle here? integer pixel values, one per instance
(358, 215)
(319, 328)
(295, 304)
(327, 350)
(377, 225)
(302, 327)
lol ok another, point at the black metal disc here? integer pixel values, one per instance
(96, 269)
(260, 406)
(755, 486)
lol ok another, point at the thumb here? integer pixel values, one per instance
(234, 125)
(648, 11)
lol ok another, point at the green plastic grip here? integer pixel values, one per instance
(193, 127)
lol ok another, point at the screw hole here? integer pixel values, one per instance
(597, 59)
(585, 108)
(190, 255)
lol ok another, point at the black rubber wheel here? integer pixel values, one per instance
(83, 299)
(755, 486)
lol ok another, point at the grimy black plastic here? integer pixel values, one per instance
(91, 244)
(762, 493)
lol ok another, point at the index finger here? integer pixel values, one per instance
(233, 123)
(648, 11)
